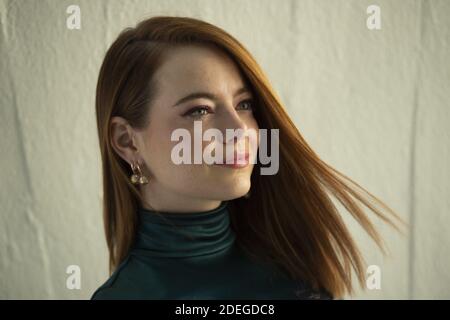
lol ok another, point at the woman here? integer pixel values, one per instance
(213, 231)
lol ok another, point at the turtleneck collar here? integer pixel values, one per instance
(183, 235)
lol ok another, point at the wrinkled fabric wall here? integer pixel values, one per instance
(374, 104)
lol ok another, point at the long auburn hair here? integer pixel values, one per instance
(289, 219)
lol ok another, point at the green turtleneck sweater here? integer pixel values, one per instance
(195, 256)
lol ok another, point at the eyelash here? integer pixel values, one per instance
(189, 113)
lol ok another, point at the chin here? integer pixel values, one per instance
(236, 190)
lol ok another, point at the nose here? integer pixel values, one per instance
(232, 121)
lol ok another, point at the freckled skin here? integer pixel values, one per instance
(193, 187)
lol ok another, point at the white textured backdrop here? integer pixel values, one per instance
(373, 103)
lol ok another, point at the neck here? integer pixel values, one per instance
(159, 199)
(184, 235)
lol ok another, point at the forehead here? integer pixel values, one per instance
(190, 68)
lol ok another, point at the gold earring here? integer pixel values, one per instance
(137, 178)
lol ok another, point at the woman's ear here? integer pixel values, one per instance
(122, 139)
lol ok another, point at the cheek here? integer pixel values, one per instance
(158, 146)
(253, 125)
(159, 156)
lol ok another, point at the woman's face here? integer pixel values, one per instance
(187, 187)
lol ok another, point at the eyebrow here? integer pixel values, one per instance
(207, 95)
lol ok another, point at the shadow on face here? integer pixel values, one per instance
(197, 84)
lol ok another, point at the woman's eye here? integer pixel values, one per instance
(201, 111)
(248, 104)
(197, 112)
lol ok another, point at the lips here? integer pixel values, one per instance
(240, 160)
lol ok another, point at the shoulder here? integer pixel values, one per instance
(122, 284)
(319, 295)
(306, 292)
